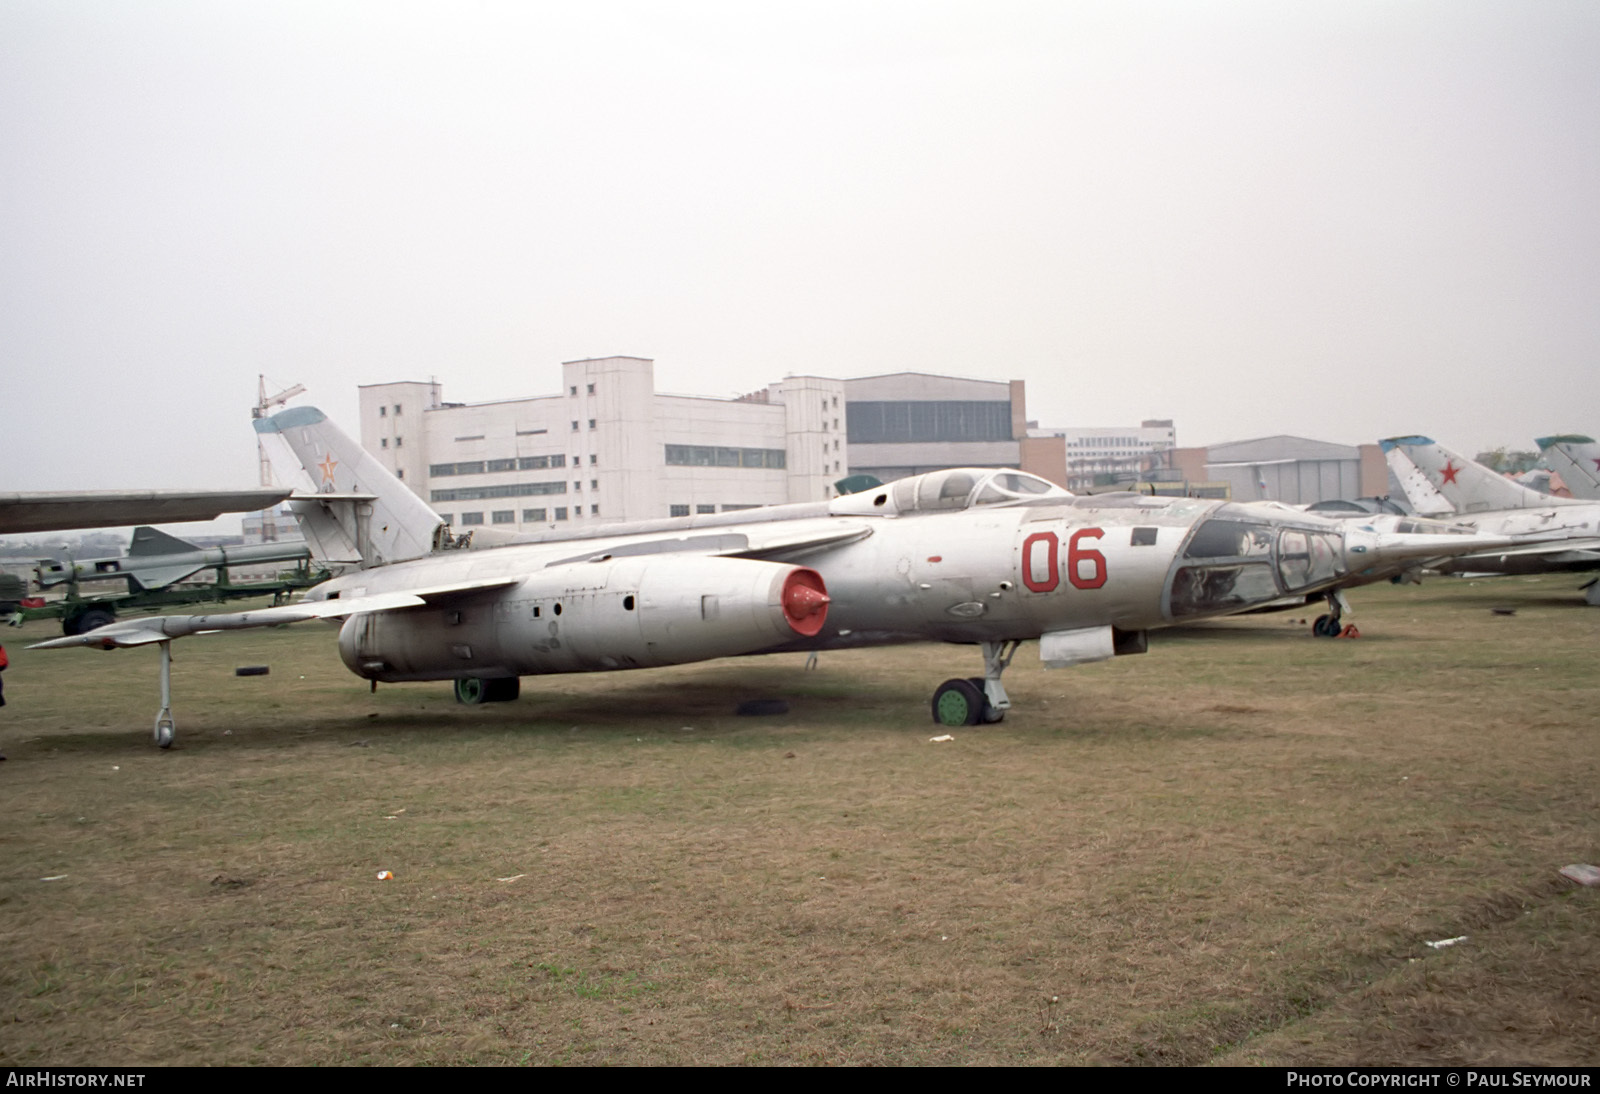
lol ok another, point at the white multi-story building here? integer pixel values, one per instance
(607, 447)
(1099, 455)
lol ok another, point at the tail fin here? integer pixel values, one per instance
(359, 513)
(1470, 487)
(1577, 460)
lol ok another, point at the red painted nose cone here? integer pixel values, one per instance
(805, 602)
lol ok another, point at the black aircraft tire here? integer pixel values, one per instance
(958, 703)
(252, 670)
(990, 715)
(471, 691)
(93, 619)
(1326, 626)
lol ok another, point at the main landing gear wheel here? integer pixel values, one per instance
(959, 703)
(473, 690)
(1327, 626)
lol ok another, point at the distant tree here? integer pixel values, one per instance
(1508, 462)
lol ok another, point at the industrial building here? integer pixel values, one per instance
(608, 446)
(1293, 470)
(1102, 456)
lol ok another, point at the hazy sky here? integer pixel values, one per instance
(1344, 220)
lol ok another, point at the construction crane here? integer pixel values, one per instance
(265, 404)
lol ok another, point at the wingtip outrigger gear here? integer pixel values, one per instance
(165, 729)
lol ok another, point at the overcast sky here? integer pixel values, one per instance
(1343, 220)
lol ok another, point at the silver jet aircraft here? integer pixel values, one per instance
(987, 557)
(1547, 534)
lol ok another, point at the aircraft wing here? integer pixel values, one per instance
(1560, 550)
(113, 509)
(779, 541)
(163, 628)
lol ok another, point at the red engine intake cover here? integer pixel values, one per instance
(805, 602)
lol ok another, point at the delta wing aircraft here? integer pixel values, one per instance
(1577, 460)
(1547, 534)
(981, 556)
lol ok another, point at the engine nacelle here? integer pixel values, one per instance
(612, 613)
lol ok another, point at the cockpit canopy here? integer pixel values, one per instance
(951, 489)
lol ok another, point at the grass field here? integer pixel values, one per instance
(1232, 849)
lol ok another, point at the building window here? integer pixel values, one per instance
(594, 484)
(678, 511)
(574, 389)
(383, 443)
(705, 508)
(447, 518)
(574, 426)
(397, 409)
(926, 420)
(398, 441)
(594, 510)
(577, 486)
(505, 516)
(591, 423)
(509, 490)
(699, 455)
(383, 412)
(561, 512)
(591, 389)
(594, 460)
(534, 515)
(399, 472)
(471, 518)
(502, 465)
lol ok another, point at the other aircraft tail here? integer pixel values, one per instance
(1467, 486)
(360, 513)
(1577, 460)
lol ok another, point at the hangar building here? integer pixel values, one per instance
(1293, 470)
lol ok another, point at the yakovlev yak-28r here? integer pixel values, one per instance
(987, 557)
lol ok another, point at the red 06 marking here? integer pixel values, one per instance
(1043, 574)
(1076, 556)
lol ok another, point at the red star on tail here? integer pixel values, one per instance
(1450, 471)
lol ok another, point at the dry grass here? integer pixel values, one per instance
(1230, 849)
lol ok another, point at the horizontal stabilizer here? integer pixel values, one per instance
(164, 628)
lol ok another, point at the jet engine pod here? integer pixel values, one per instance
(694, 608)
(608, 613)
